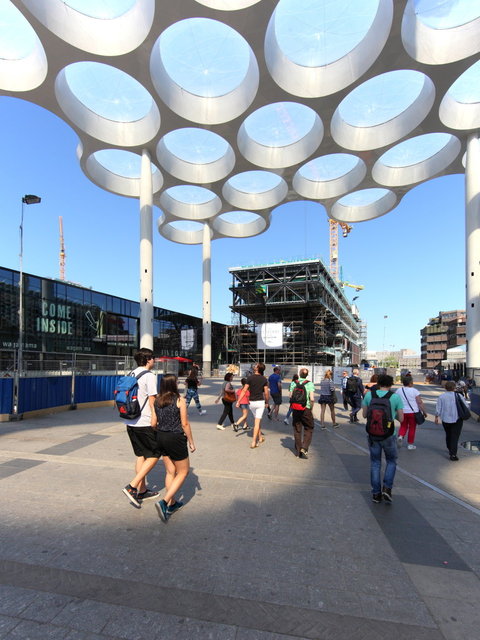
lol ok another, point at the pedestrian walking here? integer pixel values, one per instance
(381, 406)
(327, 398)
(142, 436)
(355, 392)
(412, 404)
(275, 388)
(344, 390)
(302, 420)
(447, 411)
(227, 396)
(257, 384)
(192, 383)
(289, 412)
(174, 438)
(242, 421)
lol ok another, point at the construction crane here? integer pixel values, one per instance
(346, 228)
(62, 250)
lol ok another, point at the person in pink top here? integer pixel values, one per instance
(243, 406)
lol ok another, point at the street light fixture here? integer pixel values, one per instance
(27, 199)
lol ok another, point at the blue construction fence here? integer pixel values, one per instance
(57, 391)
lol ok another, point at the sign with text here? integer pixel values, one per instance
(270, 335)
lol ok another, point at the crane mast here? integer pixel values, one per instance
(62, 249)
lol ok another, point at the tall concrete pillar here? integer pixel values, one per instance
(472, 249)
(206, 304)
(146, 252)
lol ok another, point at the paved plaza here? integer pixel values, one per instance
(267, 547)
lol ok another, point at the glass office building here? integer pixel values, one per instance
(62, 317)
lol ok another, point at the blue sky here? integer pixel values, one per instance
(410, 261)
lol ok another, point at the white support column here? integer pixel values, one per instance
(146, 252)
(206, 292)
(472, 249)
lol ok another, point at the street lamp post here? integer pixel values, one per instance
(27, 199)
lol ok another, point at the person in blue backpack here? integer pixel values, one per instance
(142, 435)
(381, 407)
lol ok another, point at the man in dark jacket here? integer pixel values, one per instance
(355, 393)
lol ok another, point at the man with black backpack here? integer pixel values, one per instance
(301, 400)
(381, 407)
(142, 435)
(354, 392)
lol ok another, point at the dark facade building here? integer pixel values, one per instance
(446, 330)
(317, 322)
(62, 317)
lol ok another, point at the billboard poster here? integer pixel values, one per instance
(270, 335)
(188, 339)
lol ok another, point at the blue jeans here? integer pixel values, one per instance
(389, 446)
(193, 394)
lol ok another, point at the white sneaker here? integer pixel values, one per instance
(285, 421)
(399, 441)
(220, 427)
(202, 412)
(411, 447)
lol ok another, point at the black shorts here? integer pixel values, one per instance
(144, 441)
(172, 444)
(276, 397)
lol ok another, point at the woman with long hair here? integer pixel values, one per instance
(174, 437)
(227, 394)
(327, 397)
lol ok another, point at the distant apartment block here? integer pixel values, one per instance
(443, 332)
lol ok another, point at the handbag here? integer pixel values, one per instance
(229, 396)
(462, 409)
(334, 397)
(419, 417)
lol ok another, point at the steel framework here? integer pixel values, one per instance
(318, 323)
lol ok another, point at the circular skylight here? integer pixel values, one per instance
(439, 32)
(23, 64)
(255, 190)
(460, 107)
(104, 9)
(204, 70)
(416, 159)
(182, 231)
(228, 5)
(383, 109)
(316, 47)
(191, 202)
(118, 170)
(195, 155)
(240, 224)
(280, 134)
(102, 27)
(329, 176)
(107, 103)
(363, 205)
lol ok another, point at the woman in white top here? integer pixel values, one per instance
(412, 402)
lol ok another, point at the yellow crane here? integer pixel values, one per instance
(346, 228)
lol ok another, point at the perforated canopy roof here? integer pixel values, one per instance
(245, 104)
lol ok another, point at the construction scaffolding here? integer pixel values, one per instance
(318, 324)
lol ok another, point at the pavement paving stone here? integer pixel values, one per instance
(7, 623)
(30, 630)
(268, 546)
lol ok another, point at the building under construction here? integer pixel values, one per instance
(319, 324)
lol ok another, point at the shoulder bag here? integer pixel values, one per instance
(419, 417)
(229, 395)
(462, 409)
